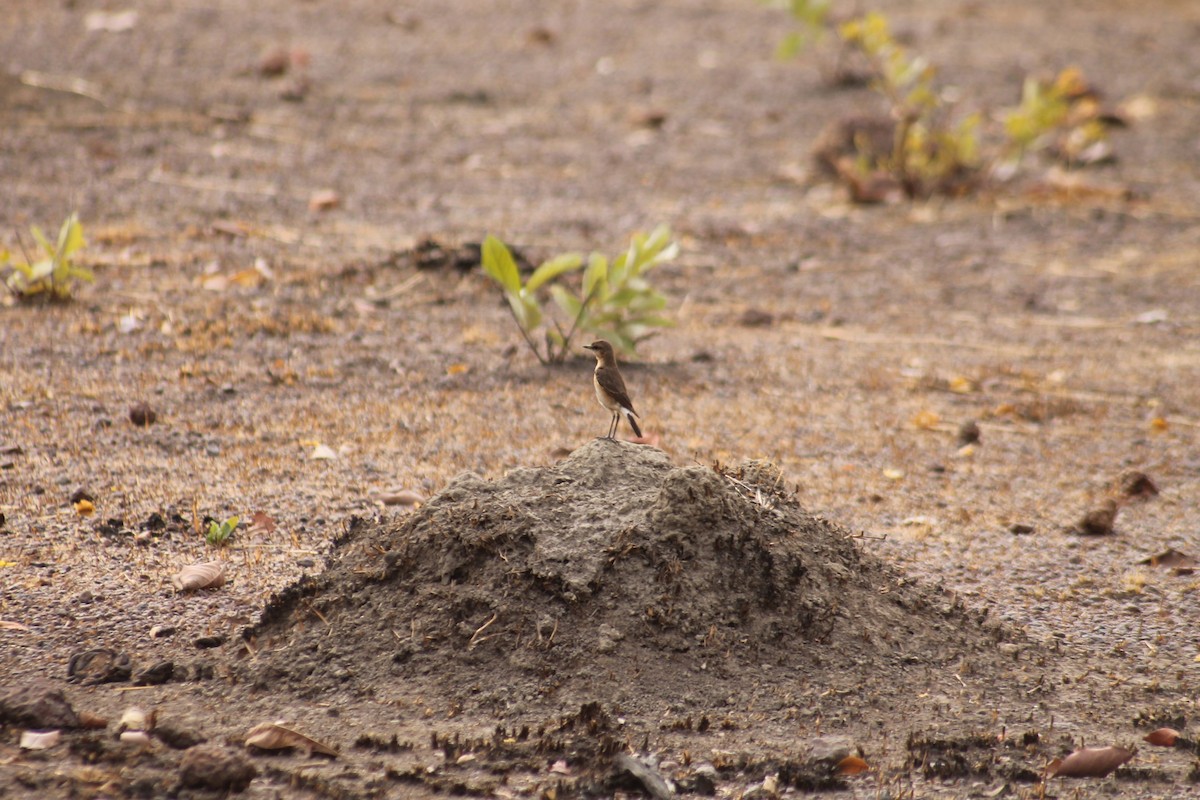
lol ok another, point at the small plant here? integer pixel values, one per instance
(929, 153)
(812, 18)
(921, 147)
(53, 276)
(1062, 113)
(219, 532)
(615, 300)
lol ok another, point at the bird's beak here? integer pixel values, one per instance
(588, 347)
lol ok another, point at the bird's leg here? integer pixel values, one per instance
(612, 428)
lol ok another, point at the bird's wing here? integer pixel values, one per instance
(610, 381)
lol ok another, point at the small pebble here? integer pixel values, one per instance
(142, 415)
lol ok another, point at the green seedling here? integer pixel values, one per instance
(1063, 110)
(614, 300)
(53, 276)
(930, 153)
(812, 21)
(219, 532)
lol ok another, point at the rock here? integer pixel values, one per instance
(968, 432)
(1099, 521)
(37, 704)
(830, 749)
(1136, 485)
(142, 415)
(650, 780)
(158, 674)
(215, 767)
(100, 665)
(609, 636)
(175, 736)
(703, 780)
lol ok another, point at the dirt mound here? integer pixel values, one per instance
(614, 576)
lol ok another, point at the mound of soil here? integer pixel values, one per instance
(613, 577)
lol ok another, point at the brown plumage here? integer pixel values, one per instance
(610, 388)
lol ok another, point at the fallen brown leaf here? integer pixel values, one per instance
(1172, 559)
(324, 200)
(851, 765)
(1163, 737)
(276, 736)
(205, 575)
(34, 740)
(1089, 762)
(401, 497)
(261, 522)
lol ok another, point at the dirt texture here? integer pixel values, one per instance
(888, 506)
(613, 577)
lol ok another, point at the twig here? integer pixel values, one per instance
(211, 185)
(63, 83)
(578, 317)
(475, 636)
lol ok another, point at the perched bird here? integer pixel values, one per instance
(610, 388)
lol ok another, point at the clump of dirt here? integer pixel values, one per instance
(613, 577)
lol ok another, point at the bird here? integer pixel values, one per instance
(610, 388)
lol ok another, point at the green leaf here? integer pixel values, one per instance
(656, 322)
(70, 237)
(596, 273)
(498, 262)
(566, 301)
(790, 46)
(517, 304)
(81, 273)
(532, 312)
(567, 262)
(42, 240)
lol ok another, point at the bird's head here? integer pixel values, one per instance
(601, 349)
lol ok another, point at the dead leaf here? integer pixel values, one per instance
(851, 765)
(84, 508)
(9, 625)
(135, 718)
(323, 452)
(457, 369)
(247, 278)
(135, 737)
(110, 21)
(1089, 762)
(277, 736)
(274, 62)
(961, 385)
(1158, 425)
(324, 200)
(204, 575)
(401, 497)
(261, 522)
(1172, 559)
(926, 419)
(92, 721)
(34, 740)
(1163, 737)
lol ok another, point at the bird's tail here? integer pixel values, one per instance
(632, 422)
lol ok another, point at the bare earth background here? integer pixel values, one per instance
(1065, 324)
